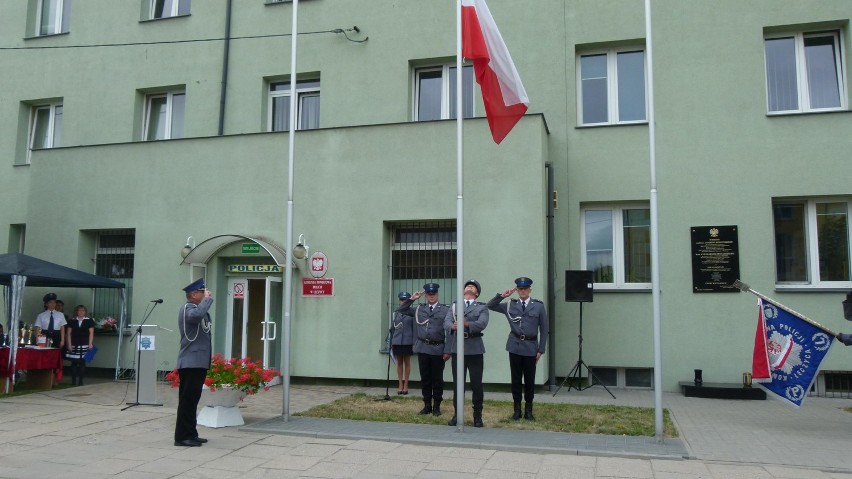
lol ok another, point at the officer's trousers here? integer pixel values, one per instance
(522, 367)
(473, 365)
(431, 376)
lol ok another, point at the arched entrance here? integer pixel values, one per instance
(254, 297)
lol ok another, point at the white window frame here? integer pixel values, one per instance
(446, 114)
(301, 93)
(61, 12)
(169, 96)
(174, 11)
(54, 127)
(612, 85)
(618, 267)
(802, 77)
(812, 243)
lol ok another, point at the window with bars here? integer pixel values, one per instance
(114, 253)
(420, 253)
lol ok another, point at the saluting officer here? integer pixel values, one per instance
(475, 319)
(528, 329)
(402, 341)
(430, 345)
(193, 360)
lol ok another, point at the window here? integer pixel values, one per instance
(307, 110)
(617, 246)
(169, 8)
(435, 92)
(164, 116)
(114, 255)
(804, 72)
(812, 242)
(45, 127)
(420, 253)
(612, 87)
(52, 17)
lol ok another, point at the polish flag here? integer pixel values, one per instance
(503, 93)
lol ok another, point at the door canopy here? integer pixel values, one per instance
(208, 248)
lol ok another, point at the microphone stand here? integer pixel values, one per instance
(139, 357)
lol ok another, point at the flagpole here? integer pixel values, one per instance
(288, 270)
(655, 240)
(459, 385)
(746, 288)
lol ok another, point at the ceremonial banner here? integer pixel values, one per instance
(788, 351)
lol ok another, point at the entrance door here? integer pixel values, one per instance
(254, 319)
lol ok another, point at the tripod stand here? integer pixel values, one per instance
(576, 372)
(138, 334)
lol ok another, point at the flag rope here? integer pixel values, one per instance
(746, 288)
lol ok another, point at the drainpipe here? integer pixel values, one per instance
(551, 277)
(225, 70)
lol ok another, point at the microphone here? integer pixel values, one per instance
(158, 301)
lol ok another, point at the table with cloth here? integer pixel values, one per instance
(43, 365)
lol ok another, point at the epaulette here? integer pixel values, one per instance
(514, 300)
(536, 301)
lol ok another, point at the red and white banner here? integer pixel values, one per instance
(503, 93)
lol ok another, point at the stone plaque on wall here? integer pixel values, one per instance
(715, 259)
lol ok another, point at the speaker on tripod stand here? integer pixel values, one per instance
(579, 288)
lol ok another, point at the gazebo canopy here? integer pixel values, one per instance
(44, 273)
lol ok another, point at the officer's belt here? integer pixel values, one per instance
(470, 335)
(524, 337)
(430, 342)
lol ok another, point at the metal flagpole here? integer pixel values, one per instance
(459, 393)
(288, 270)
(746, 288)
(655, 240)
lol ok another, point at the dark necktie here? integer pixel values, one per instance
(431, 308)
(523, 306)
(50, 324)
(466, 304)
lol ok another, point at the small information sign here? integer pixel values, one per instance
(250, 248)
(317, 286)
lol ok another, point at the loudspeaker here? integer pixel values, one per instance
(579, 286)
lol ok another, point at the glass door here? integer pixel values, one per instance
(272, 324)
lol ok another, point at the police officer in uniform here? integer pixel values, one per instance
(402, 342)
(430, 345)
(475, 319)
(193, 360)
(528, 329)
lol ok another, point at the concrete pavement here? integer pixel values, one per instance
(84, 432)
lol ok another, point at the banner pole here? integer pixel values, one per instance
(746, 288)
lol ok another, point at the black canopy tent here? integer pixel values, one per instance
(19, 270)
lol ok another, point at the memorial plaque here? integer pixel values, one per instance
(715, 259)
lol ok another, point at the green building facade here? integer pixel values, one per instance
(130, 129)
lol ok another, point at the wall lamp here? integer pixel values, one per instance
(300, 251)
(184, 252)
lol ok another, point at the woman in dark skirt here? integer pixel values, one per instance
(81, 332)
(402, 342)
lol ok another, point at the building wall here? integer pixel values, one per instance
(720, 161)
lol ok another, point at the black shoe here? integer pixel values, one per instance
(405, 393)
(528, 415)
(436, 411)
(452, 422)
(200, 439)
(188, 443)
(399, 393)
(516, 415)
(426, 410)
(478, 422)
